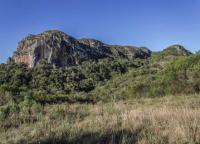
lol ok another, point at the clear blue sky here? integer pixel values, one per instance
(155, 24)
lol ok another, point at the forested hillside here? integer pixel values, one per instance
(106, 79)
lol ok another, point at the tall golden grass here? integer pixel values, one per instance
(173, 120)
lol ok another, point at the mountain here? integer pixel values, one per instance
(62, 50)
(113, 94)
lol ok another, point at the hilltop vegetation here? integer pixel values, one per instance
(180, 75)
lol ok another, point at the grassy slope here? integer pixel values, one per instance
(148, 120)
(178, 75)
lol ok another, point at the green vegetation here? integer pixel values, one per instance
(103, 80)
(44, 84)
(103, 101)
(179, 75)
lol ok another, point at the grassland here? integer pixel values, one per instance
(173, 120)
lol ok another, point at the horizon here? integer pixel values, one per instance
(153, 24)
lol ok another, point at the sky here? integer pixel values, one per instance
(155, 24)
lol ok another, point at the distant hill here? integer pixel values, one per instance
(170, 52)
(177, 50)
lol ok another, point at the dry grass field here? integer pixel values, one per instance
(166, 120)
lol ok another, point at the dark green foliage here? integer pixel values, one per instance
(106, 80)
(182, 75)
(46, 84)
(179, 75)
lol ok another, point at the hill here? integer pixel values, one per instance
(62, 50)
(55, 73)
(58, 89)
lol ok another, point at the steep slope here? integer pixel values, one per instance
(62, 50)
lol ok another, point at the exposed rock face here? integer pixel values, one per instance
(62, 50)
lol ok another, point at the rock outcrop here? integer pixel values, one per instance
(62, 50)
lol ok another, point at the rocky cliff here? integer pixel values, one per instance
(62, 50)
